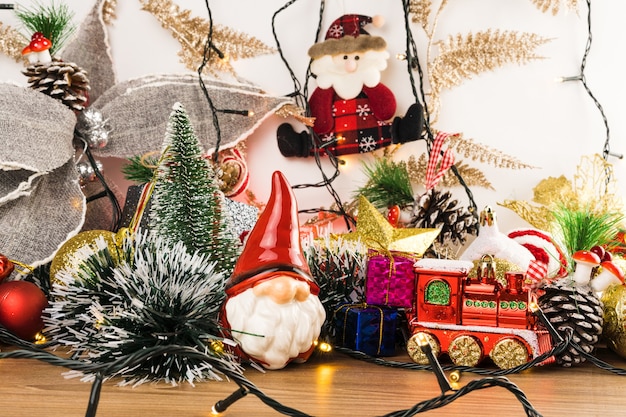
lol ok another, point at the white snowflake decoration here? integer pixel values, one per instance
(367, 144)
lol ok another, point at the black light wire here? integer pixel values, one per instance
(301, 93)
(131, 361)
(116, 215)
(606, 150)
(31, 351)
(206, 55)
(413, 62)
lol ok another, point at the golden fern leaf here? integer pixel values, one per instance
(460, 57)
(594, 185)
(420, 11)
(473, 177)
(12, 42)
(191, 33)
(484, 154)
(108, 11)
(554, 6)
(539, 217)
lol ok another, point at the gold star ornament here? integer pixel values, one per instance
(376, 233)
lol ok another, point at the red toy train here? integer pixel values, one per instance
(472, 318)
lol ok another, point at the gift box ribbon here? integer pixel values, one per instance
(392, 264)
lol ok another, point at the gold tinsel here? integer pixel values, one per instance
(191, 33)
(554, 6)
(473, 177)
(108, 11)
(295, 112)
(12, 42)
(593, 189)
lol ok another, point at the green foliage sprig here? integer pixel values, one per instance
(388, 184)
(53, 20)
(582, 229)
(140, 169)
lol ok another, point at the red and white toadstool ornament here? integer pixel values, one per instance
(6, 267)
(609, 274)
(585, 262)
(38, 50)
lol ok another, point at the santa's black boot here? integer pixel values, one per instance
(292, 143)
(408, 128)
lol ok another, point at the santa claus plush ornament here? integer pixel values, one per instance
(272, 310)
(353, 110)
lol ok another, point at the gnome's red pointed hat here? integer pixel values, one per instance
(347, 35)
(273, 246)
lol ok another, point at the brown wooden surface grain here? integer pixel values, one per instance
(334, 385)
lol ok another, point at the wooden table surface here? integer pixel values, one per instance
(333, 385)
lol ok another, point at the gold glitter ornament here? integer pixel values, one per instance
(614, 327)
(65, 257)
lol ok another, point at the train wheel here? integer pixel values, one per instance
(415, 352)
(509, 353)
(465, 351)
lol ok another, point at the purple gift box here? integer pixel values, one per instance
(390, 281)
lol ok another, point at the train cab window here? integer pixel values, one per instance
(437, 292)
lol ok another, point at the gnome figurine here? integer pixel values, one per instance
(271, 309)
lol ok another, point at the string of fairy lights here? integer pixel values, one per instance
(493, 378)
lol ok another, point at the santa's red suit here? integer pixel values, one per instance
(353, 111)
(350, 105)
(272, 310)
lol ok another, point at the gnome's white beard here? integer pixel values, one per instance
(274, 333)
(330, 72)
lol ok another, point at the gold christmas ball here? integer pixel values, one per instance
(614, 330)
(65, 257)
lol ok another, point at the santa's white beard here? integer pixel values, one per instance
(274, 333)
(330, 72)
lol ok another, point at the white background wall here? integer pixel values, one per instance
(519, 110)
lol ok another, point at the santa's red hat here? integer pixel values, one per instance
(347, 35)
(273, 246)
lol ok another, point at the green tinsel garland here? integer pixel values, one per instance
(149, 294)
(339, 268)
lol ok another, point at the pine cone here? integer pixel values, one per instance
(575, 308)
(434, 209)
(64, 81)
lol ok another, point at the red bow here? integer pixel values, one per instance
(437, 166)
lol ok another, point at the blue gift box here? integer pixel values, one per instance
(366, 328)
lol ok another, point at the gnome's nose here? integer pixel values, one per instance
(283, 289)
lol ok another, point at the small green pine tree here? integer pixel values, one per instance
(186, 201)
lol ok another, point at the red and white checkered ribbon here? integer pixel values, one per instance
(438, 164)
(536, 273)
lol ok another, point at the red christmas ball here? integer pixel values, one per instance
(21, 307)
